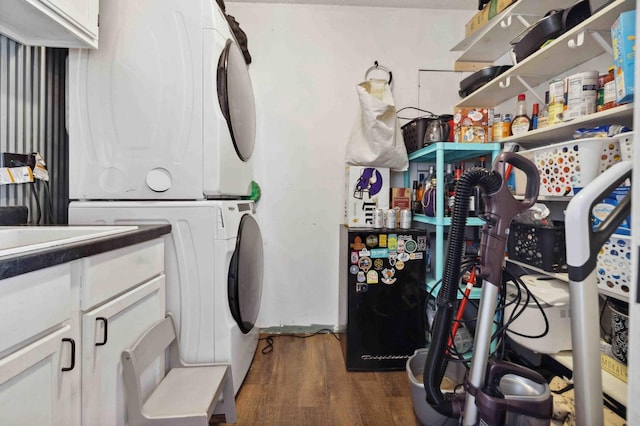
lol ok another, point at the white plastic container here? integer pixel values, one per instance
(567, 167)
(553, 297)
(625, 141)
(613, 267)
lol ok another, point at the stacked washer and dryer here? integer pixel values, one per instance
(161, 130)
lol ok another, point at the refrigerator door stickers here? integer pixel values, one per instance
(385, 320)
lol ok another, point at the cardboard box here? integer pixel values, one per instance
(473, 124)
(489, 11)
(472, 134)
(401, 198)
(612, 365)
(367, 189)
(623, 40)
(472, 116)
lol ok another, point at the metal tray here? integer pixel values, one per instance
(547, 28)
(480, 78)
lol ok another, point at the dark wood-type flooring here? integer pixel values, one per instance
(303, 381)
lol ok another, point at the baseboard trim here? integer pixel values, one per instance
(301, 329)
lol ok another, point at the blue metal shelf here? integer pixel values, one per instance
(437, 153)
(445, 221)
(432, 282)
(453, 151)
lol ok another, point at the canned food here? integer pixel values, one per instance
(405, 219)
(609, 97)
(378, 218)
(582, 94)
(556, 102)
(391, 218)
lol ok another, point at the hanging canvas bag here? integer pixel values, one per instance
(376, 139)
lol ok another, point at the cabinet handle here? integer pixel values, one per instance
(73, 354)
(106, 333)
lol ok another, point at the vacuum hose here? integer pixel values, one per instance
(436, 362)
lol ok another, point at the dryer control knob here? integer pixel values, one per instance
(159, 180)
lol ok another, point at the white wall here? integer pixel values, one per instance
(307, 60)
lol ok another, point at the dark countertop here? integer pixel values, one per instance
(22, 263)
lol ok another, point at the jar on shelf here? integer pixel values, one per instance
(506, 126)
(496, 127)
(556, 102)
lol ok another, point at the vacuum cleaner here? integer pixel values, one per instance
(498, 392)
(586, 242)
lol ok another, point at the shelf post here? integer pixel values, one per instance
(439, 214)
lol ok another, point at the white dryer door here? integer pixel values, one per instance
(245, 274)
(235, 94)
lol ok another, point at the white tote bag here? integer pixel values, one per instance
(376, 139)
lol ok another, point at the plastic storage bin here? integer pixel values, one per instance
(613, 268)
(413, 133)
(567, 167)
(542, 246)
(625, 140)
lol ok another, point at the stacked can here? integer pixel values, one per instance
(378, 218)
(391, 218)
(609, 95)
(582, 94)
(405, 219)
(556, 102)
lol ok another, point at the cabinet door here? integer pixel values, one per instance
(34, 389)
(106, 331)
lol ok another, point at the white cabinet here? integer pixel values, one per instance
(51, 23)
(34, 388)
(38, 362)
(122, 295)
(63, 330)
(106, 332)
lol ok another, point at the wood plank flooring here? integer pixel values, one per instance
(303, 381)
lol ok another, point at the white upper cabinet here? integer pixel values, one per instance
(51, 23)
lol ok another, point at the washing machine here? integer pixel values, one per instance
(214, 267)
(164, 109)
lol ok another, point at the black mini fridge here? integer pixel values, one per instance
(383, 293)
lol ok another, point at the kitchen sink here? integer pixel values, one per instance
(22, 239)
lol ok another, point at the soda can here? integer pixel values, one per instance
(391, 218)
(378, 218)
(405, 219)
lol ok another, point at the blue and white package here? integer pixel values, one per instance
(602, 209)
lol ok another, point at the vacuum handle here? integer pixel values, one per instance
(528, 168)
(578, 225)
(500, 208)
